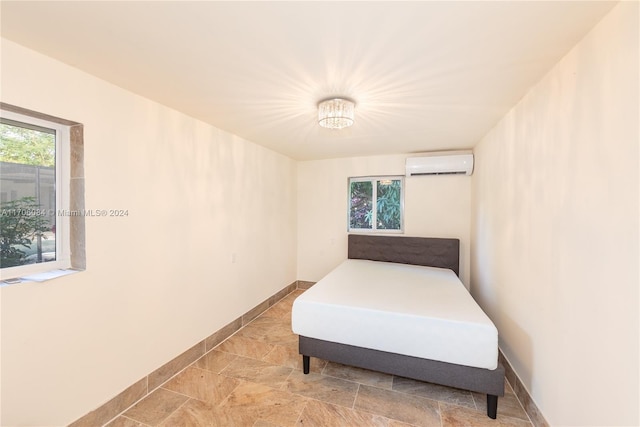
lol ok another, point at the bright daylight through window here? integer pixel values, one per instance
(376, 204)
(31, 193)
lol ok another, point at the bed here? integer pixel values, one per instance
(396, 305)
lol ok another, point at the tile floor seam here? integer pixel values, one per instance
(223, 368)
(396, 391)
(366, 411)
(298, 420)
(169, 379)
(240, 383)
(137, 421)
(236, 378)
(519, 402)
(407, 394)
(323, 368)
(224, 340)
(225, 352)
(412, 395)
(355, 398)
(438, 402)
(175, 410)
(351, 380)
(323, 401)
(440, 413)
(214, 348)
(121, 413)
(515, 418)
(270, 351)
(447, 403)
(475, 403)
(176, 392)
(287, 379)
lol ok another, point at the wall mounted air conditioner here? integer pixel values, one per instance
(441, 163)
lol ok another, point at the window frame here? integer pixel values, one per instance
(374, 203)
(62, 185)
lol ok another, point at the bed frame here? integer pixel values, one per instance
(432, 252)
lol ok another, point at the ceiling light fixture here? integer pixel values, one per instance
(335, 113)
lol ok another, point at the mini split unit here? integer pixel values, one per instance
(441, 163)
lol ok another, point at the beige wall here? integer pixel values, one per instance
(435, 206)
(157, 281)
(555, 258)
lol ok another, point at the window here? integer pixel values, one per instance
(376, 204)
(35, 154)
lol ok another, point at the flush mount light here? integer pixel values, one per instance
(335, 113)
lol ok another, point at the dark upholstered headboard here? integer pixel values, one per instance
(428, 251)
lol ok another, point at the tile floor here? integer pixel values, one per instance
(255, 379)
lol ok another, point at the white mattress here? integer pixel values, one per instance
(417, 311)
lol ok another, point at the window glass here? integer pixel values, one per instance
(383, 193)
(389, 204)
(28, 194)
(361, 196)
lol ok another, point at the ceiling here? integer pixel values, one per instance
(426, 76)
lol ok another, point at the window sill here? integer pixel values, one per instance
(39, 277)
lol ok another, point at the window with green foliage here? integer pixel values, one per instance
(376, 204)
(30, 196)
(42, 214)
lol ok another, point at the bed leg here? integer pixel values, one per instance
(305, 364)
(492, 406)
